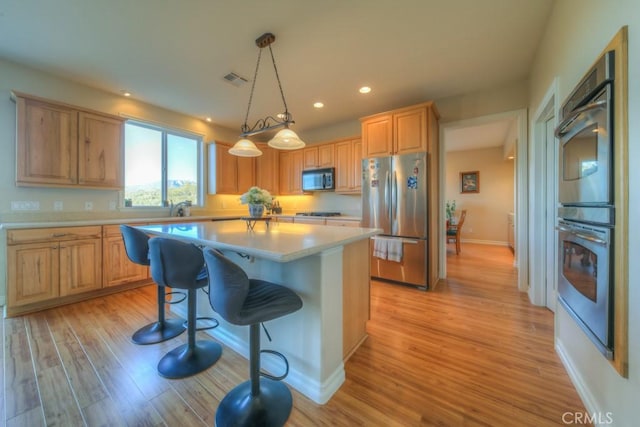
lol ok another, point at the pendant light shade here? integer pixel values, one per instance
(286, 139)
(245, 148)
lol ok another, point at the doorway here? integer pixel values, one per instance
(544, 173)
(519, 117)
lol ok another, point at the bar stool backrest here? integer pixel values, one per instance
(228, 286)
(136, 244)
(175, 264)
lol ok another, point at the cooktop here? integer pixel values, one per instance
(318, 213)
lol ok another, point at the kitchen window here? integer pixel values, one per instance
(161, 165)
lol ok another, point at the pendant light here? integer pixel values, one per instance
(285, 139)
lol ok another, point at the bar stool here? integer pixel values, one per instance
(243, 301)
(136, 244)
(177, 265)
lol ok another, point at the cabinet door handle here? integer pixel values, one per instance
(59, 234)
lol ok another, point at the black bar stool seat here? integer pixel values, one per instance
(177, 265)
(136, 244)
(243, 301)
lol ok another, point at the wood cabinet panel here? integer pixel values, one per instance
(410, 131)
(100, 151)
(348, 160)
(342, 223)
(310, 155)
(326, 156)
(118, 269)
(377, 132)
(246, 173)
(226, 173)
(47, 138)
(80, 266)
(33, 235)
(267, 169)
(291, 166)
(32, 273)
(356, 309)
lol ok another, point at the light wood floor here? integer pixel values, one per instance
(473, 352)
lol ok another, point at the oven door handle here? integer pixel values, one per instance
(592, 239)
(561, 130)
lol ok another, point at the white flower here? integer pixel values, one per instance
(256, 196)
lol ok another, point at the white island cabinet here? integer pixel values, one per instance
(324, 265)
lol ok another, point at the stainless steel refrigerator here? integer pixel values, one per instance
(394, 198)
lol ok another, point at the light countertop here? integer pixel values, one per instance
(280, 242)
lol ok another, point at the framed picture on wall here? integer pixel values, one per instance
(470, 182)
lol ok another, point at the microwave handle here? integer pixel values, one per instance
(561, 130)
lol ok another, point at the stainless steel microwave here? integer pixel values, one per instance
(318, 179)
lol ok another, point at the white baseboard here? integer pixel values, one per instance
(485, 242)
(589, 401)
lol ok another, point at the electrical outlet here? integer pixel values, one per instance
(58, 205)
(25, 206)
(88, 206)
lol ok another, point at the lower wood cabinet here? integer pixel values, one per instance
(118, 269)
(47, 267)
(49, 263)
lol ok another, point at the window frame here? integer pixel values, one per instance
(165, 131)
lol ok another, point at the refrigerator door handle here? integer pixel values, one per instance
(387, 195)
(394, 191)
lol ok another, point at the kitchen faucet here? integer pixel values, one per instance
(179, 208)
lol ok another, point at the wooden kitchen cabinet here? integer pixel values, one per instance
(117, 267)
(232, 174)
(60, 145)
(309, 220)
(46, 264)
(320, 156)
(401, 131)
(100, 151)
(267, 169)
(348, 166)
(291, 166)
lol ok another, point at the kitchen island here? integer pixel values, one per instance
(327, 266)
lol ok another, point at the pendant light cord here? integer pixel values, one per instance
(275, 68)
(245, 126)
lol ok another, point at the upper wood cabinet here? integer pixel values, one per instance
(348, 156)
(267, 169)
(291, 166)
(100, 151)
(231, 174)
(400, 131)
(65, 146)
(320, 156)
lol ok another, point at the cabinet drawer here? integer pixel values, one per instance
(315, 221)
(33, 235)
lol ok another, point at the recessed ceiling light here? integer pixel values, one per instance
(318, 104)
(125, 93)
(208, 119)
(365, 89)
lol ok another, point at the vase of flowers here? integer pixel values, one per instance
(450, 210)
(257, 199)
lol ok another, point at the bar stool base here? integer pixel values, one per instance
(271, 407)
(183, 362)
(156, 332)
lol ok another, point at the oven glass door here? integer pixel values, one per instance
(584, 282)
(585, 157)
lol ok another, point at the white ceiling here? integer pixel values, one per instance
(174, 53)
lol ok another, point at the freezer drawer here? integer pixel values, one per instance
(411, 270)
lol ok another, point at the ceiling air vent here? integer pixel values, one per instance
(235, 79)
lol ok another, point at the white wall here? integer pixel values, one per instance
(576, 34)
(486, 220)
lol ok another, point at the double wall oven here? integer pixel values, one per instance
(586, 204)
